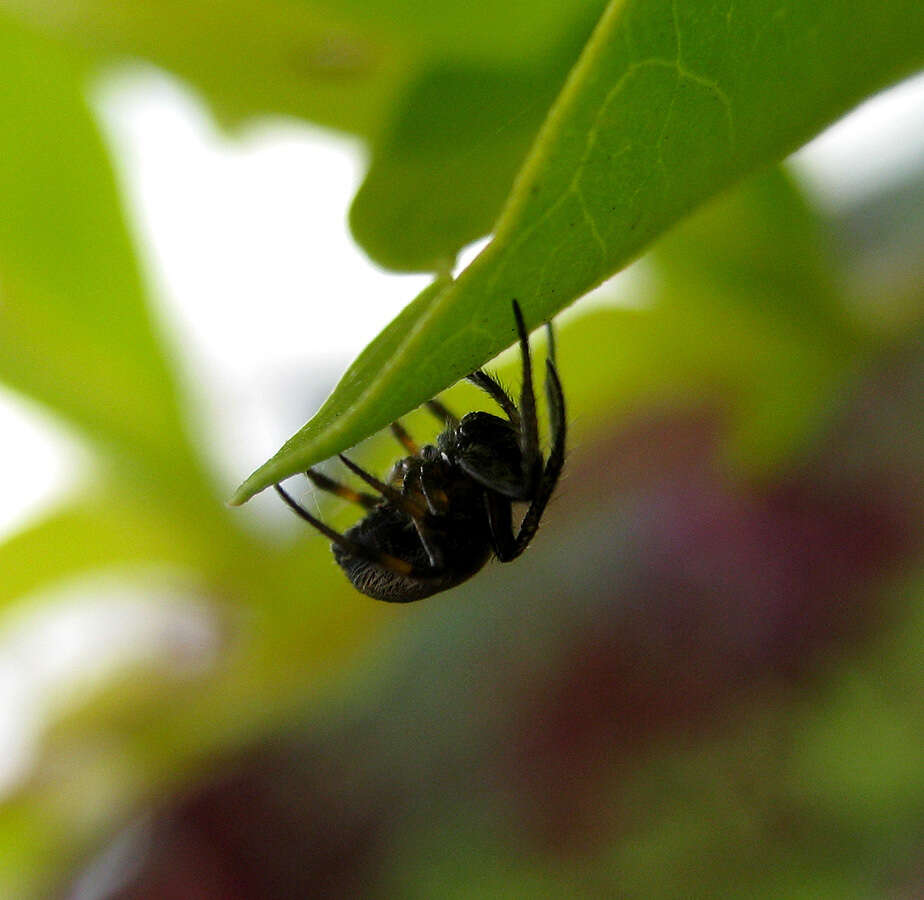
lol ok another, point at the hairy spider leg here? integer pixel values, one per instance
(500, 525)
(400, 432)
(554, 463)
(386, 561)
(443, 414)
(436, 498)
(403, 502)
(523, 419)
(529, 427)
(497, 393)
(434, 554)
(322, 482)
(500, 520)
(550, 340)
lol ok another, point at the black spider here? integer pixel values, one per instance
(446, 508)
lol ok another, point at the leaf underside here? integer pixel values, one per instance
(669, 104)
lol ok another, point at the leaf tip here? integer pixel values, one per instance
(244, 492)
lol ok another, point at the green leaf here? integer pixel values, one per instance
(741, 316)
(515, 30)
(450, 97)
(289, 58)
(669, 104)
(75, 332)
(343, 63)
(440, 174)
(98, 530)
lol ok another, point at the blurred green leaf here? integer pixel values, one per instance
(26, 835)
(342, 63)
(750, 296)
(74, 329)
(668, 105)
(441, 172)
(98, 530)
(283, 56)
(288, 621)
(450, 96)
(512, 30)
(760, 241)
(439, 177)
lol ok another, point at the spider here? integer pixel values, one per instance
(445, 509)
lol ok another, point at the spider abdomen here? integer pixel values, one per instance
(391, 531)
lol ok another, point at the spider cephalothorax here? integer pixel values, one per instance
(445, 509)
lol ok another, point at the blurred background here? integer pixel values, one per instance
(703, 679)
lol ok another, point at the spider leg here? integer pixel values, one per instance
(493, 388)
(321, 481)
(500, 525)
(529, 426)
(400, 432)
(414, 510)
(554, 463)
(443, 414)
(434, 554)
(436, 498)
(391, 563)
(403, 502)
(550, 334)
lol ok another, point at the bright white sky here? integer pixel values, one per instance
(258, 223)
